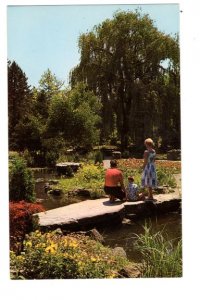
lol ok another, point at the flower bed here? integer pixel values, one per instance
(55, 256)
(133, 163)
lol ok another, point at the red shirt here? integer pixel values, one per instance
(113, 176)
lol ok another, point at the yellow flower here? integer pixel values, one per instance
(38, 233)
(28, 244)
(93, 259)
(52, 248)
(73, 244)
(40, 245)
(21, 258)
(112, 274)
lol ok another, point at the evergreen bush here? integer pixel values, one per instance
(98, 157)
(21, 181)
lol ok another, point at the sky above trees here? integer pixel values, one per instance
(42, 37)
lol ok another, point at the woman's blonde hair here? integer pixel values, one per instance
(149, 142)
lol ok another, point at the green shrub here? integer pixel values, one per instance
(98, 157)
(69, 171)
(165, 177)
(89, 177)
(51, 158)
(28, 157)
(161, 257)
(55, 256)
(126, 154)
(90, 173)
(21, 181)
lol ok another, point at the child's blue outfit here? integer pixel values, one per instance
(132, 191)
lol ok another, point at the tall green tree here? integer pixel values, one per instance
(74, 118)
(121, 61)
(19, 99)
(49, 87)
(49, 84)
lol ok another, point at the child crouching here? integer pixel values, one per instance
(132, 191)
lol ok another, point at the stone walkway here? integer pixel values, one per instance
(100, 211)
(80, 214)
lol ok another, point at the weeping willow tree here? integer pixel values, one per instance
(122, 60)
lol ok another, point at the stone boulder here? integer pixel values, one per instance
(133, 270)
(174, 154)
(67, 168)
(116, 154)
(119, 251)
(95, 235)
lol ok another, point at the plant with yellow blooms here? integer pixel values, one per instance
(52, 255)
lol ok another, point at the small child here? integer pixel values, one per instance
(132, 190)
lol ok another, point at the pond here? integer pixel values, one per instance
(42, 177)
(122, 235)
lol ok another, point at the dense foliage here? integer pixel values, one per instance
(134, 69)
(55, 256)
(21, 221)
(88, 177)
(21, 181)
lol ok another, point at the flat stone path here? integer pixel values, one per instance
(82, 213)
(101, 211)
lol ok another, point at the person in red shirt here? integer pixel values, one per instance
(114, 184)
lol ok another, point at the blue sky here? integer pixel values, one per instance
(42, 37)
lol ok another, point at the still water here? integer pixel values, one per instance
(122, 235)
(47, 200)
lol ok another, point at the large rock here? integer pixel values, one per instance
(116, 154)
(119, 251)
(133, 270)
(164, 203)
(65, 167)
(82, 214)
(174, 154)
(95, 235)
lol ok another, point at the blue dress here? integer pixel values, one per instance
(149, 177)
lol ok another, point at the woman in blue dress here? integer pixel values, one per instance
(149, 177)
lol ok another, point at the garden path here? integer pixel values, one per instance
(100, 211)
